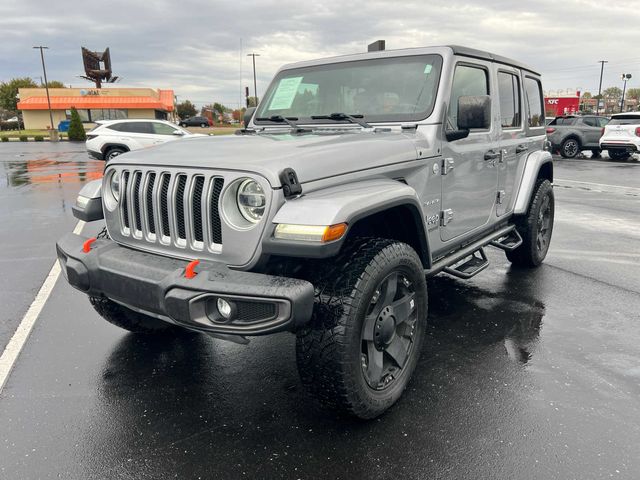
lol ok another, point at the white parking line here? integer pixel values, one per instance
(615, 188)
(20, 336)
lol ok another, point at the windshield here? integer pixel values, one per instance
(396, 89)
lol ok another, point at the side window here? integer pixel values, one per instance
(533, 96)
(592, 122)
(602, 121)
(163, 129)
(509, 93)
(117, 127)
(467, 80)
(138, 127)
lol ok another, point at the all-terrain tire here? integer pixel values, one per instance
(329, 351)
(536, 227)
(128, 319)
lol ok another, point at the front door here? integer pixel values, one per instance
(469, 173)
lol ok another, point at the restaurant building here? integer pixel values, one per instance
(93, 104)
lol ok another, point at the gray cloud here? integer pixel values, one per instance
(193, 46)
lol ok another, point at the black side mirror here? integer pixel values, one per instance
(248, 113)
(474, 112)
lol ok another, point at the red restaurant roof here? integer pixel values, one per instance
(165, 102)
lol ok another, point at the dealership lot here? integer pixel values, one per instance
(524, 375)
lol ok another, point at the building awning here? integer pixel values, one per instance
(165, 102)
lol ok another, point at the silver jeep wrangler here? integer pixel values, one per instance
(356, 178)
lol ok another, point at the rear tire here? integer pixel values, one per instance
(535, 227)
(135, 322)
(618, 154)
(113, 152)
(203, 125)
(570, 148)
(595, 153)
(358, 352)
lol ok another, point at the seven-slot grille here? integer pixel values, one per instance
(171, 208)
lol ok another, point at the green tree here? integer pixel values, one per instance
(219, 108)
(587, 95)
(9, 90)
(633, 94)
(55, 84)
(186, 109)
(612, 93)
(76, 129)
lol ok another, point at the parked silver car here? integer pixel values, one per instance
(570, 134)
(356, 179)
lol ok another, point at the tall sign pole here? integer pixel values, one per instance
(602, 62)
(46, 83)
(255, 87)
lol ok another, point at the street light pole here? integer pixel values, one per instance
(46, 83)
(255, 88)
(602, 62)
(625, 77)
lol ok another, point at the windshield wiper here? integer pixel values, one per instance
(280, 119)
(355, 118)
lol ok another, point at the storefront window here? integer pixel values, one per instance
(90, 116)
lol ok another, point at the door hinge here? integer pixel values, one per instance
(446, 216)
(500, 196)
(447, 165)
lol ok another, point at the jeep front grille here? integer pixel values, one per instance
(172, 209)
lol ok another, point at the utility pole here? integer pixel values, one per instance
(602, 62)
(46, 83)
(255, 88)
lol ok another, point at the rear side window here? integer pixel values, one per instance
(533, 97)
(509, 94)
(467, 81)
(591, 121)
(134, 127)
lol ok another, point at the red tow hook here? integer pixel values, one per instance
(189, 271)
(86, 246)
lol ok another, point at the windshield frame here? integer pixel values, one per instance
(438, 65)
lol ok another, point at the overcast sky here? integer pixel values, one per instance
(193, 46)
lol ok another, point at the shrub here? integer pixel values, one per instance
(24, 138)
(39, 138)
(4, 139)
(76, 129)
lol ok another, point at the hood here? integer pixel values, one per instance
(312, 155)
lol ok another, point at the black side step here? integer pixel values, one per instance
(469, 266)
(508, 242)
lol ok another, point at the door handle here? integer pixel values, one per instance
(491, 155)
(521, 148)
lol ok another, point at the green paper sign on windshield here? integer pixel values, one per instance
(285, 93)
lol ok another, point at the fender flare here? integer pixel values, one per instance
(107, 146)
(346, 203)
(535, 162)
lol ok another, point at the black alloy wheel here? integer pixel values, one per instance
(570, 148)
(388, 331)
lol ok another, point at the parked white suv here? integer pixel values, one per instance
(113, 137)
(621, 136)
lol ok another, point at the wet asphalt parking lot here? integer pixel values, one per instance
(524, 374)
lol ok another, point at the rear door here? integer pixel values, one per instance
(512, 139)
(469, 174)
(590, 126)
(141, 133)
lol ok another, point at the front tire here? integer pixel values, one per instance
(535, 227)
(570, 148)
(364, 340)
(128, 319)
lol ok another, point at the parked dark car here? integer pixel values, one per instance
(196, 122)
(571, 134)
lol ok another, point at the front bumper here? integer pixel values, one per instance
(157, 286)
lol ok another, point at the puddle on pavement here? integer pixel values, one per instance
(19, 173)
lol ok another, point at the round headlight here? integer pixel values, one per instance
(114, 185)
(251, 200)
